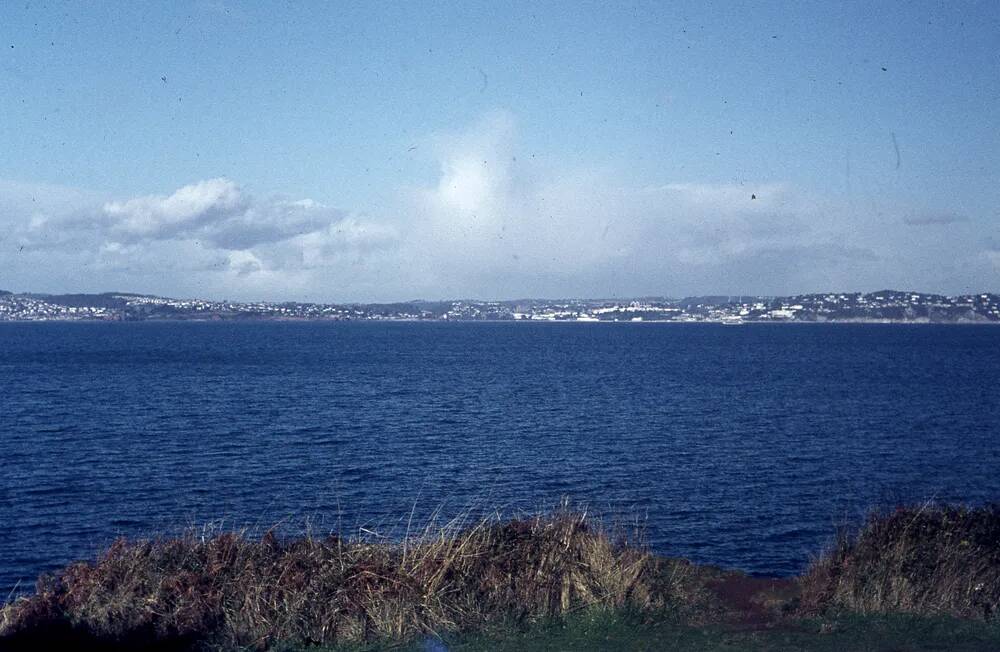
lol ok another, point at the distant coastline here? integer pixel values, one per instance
(883, 307)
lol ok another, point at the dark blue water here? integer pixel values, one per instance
(740, 446)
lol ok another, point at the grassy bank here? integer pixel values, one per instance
(625, 631)
(925, 560)
(548, 582)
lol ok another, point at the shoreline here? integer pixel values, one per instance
(260, 320)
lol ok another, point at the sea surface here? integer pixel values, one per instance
(742, 446)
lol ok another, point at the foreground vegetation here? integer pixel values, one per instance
(600, 630)
(922, 576)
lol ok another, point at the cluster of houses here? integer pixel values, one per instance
(877, 306)
(19, 308)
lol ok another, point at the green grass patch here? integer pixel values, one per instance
(616, 630)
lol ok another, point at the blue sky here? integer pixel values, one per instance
(385, 151)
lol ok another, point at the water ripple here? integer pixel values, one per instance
(741, 447)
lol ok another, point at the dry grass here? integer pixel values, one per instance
(218, 590)
(929, 560)
(228, 591)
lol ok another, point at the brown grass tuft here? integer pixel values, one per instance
(233, 591)
(929, 560)
(228, 590)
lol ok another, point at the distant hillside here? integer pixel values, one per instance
(881, 306)
(716, 300)
(104, 300)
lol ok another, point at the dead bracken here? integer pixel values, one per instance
(230, 590)
(931, 560)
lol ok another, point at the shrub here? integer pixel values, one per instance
(922, 560)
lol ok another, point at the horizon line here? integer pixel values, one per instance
(662, 297)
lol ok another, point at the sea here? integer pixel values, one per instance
(742, 446)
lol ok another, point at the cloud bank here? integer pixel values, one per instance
(210, 234)
(493, 225)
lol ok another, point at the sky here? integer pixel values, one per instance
(394, 151)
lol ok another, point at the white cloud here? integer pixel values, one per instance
(495, 225)
(244, 263)
(218, 212)
(475, 165)
(159, 217)
(489, 224)
(209, 235)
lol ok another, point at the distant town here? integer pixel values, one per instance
(883, 306)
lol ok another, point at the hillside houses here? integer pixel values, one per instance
(882, 306)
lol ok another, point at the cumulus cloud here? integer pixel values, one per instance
(211, 230)
(495, 225)
(189, 208)
(491, 223)
(218, 212)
